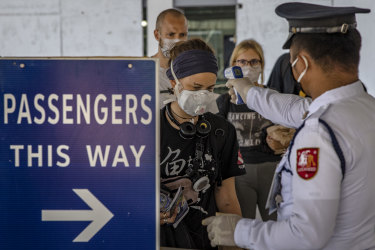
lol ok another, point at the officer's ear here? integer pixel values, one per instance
(303, 55)
(300, 54)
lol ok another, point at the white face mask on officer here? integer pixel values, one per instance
(252, 73)
(304, 71)
(166, 45)
(193, 102)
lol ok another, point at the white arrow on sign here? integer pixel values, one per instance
(99, 215)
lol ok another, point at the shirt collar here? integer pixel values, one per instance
(336, 94)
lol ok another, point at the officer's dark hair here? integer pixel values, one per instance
(191, 44)
(330, 50)
(174, 12)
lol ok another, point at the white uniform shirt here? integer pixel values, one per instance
(321, 208)
(285, 109)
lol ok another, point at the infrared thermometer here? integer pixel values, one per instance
(234, 72)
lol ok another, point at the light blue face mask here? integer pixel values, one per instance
(193, 102)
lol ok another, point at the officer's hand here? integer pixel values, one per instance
(221, 228)
(232, 95)
(242, 85)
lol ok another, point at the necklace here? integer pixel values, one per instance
(184, 118)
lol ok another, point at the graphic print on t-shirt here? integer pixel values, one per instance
(174, 163)
(249, 127)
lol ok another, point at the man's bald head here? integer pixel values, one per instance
(174, 13)
(171, 27)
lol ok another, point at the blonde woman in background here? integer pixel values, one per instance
(260, 152)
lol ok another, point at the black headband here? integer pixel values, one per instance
(193, 62)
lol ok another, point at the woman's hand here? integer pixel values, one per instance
(167, 217)
(275, 145)
(279, 137)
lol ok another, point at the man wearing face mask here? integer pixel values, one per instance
(281, 77)
(198, 150)
(260, 159)
(323, 187)
(171, 27)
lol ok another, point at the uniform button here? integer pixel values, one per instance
(278, 199)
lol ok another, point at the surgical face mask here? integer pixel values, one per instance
(193, 102)
(166, 45)
(252, 72)
(304, 71)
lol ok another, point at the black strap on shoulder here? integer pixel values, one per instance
(167, 91)
(336, 146)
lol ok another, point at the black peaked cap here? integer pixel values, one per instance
(313, 18)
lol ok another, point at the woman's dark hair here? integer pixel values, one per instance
(190, 44)
(330, 50)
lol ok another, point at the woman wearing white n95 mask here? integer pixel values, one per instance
(194, 93)
(198, 152)
(261, 143)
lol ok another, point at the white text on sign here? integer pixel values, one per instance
(96, 157)
(54, 109)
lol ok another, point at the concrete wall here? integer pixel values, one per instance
(257, 19)
(113, 28)
(71, 28)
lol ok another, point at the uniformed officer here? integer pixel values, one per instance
(324, 186)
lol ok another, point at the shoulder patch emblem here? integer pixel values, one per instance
(307, 162)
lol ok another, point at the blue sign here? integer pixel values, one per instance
(78, 162)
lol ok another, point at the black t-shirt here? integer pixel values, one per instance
(250, 127)
(219, 162)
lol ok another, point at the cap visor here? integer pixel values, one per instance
(288, 41)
